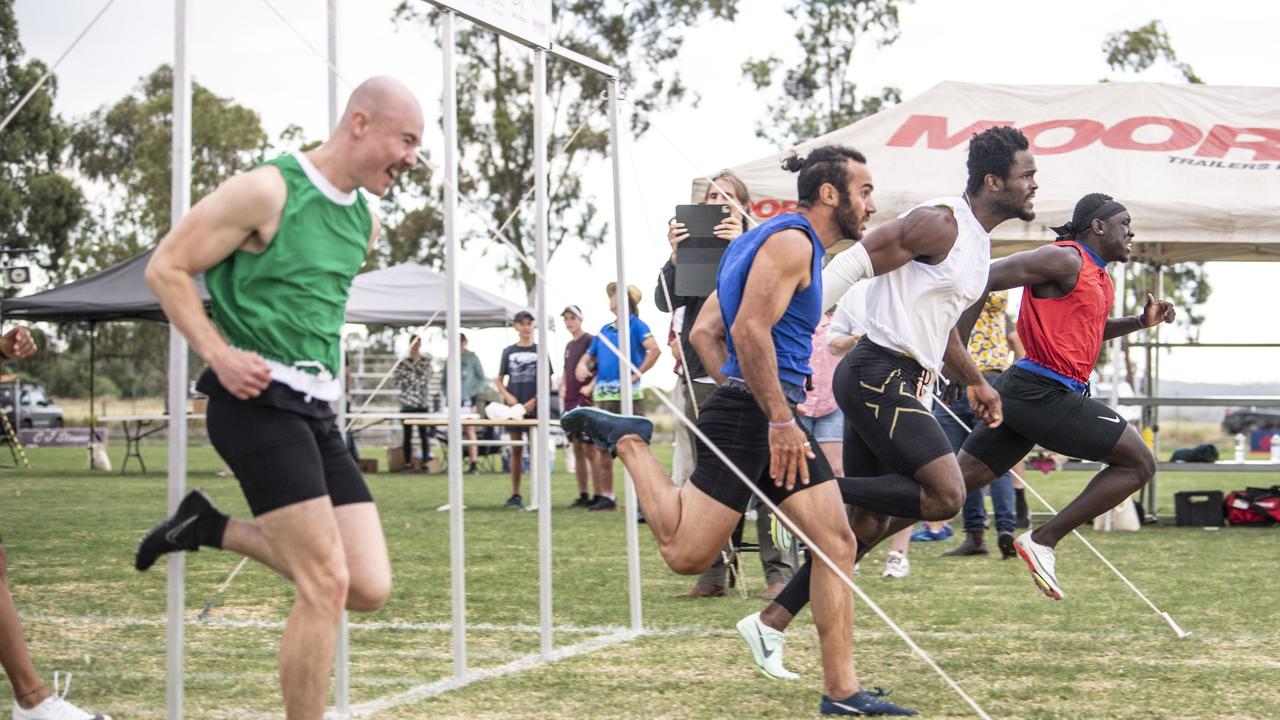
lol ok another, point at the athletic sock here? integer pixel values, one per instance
(896, 495)
(210, 527)
(795, 595)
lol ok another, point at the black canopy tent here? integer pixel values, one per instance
(401, 295)
(118, 293)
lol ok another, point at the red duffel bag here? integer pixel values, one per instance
(1253, 506)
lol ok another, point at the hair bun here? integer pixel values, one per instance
(792, 162)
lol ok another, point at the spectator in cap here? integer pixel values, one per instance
(576, 393)
(601, 360)
(517, 382)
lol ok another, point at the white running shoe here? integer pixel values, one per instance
(782, 538)
(55, 707)
(766, 647)
(896, 565)
(1040, 561)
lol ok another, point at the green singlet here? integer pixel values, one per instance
(288, 302)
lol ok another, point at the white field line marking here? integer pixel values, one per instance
(600, 630)
(126, 621)
(528, 662)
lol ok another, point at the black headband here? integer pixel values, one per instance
(1077, 226)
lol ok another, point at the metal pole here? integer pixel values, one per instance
(342, 645)
(1153, 371)
(457, 556)
(1121, 358)
(624, 346)
(538, 450)
(180, 202)
(93, 417)
(332, 18)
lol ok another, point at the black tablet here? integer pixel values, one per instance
(698, 256)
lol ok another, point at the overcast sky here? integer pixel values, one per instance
(242, 49)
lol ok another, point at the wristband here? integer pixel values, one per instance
(1142, 321)
(779, 426)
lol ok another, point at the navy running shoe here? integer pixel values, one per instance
(603, 427)
(177, 532)
(863, 702)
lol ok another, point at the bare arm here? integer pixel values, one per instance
(1049, 270)
(243, 213)
(840, 345)
(1153, 313)
(651, 353)
(780, 269)
(708, 337)
(586, 367)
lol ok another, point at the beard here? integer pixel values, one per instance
(847, 219)
(1019, 210)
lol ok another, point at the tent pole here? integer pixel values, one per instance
(93, 416)
(180, 202)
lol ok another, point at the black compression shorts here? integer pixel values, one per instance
(282, 448)
(1041, 411)
(735, 423)
(886, 426)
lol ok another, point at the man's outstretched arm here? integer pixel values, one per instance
(1153, 313)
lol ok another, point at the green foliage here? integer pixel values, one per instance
(39, 207)
(1142, 47)
(495, 122)
(128, 147)
(816, 95)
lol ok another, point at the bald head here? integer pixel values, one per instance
(382, 98)
(379, 135)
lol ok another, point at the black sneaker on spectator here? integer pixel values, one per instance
(581, 501)
(514, 502)
(604, 504)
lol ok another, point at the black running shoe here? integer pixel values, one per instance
(581, 501)
(604, 428)
(1007, 550)
(177, 532)
(863, 703)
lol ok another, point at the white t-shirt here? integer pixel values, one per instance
(912, 309)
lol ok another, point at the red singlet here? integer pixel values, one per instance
(1065, 334)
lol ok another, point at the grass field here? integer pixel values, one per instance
(1101, 653)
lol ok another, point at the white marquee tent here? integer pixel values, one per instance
(1198, 166)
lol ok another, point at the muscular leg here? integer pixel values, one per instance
(1130, 465)
(28, 689)
(306, 540)
(820, 515)
(689, 525)
(933, 492)
(869, 530)
(364, 547)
